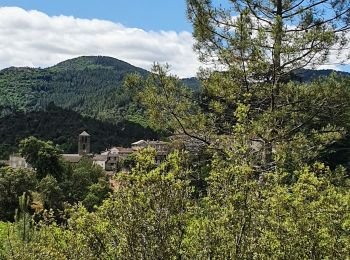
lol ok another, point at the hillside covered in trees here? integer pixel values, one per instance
(89, 85)
(62, 126)
(57, 103)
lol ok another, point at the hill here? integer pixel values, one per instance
(62, 126)
(88, 95)
(90, 86)
(306, 75)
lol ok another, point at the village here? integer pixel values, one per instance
(110, 159)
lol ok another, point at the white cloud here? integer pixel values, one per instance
(32, 38)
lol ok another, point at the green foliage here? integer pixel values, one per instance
(63, 126)
(13, 183)
(87, 183)
(51, 193)
(23, 220)
(3, 236)
(153, 215)
(129, 162)
(169, 103)
(57, 184)
(241, 219)
(268, 39)
(266, 195)
(98, 192)
(308, 117)
(88, 85)
(144, 218)
(43, 156)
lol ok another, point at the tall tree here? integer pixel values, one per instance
(257, 46)
(45, 157)
(265, 40)
(262, 43)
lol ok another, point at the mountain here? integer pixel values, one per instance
(86, 94)
(307, 75)
(90, 86)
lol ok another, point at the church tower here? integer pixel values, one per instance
(84, 143)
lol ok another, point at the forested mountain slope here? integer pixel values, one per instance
(87, 94)
(90, 86)
(62, 126)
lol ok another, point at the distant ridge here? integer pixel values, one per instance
(306, 75)
(84, 62)
(89, 85)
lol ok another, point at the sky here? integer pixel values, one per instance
(148, 15)
(41, 33)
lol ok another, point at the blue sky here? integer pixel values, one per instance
(149, 15)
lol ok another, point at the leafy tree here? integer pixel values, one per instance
(241, 219)
(43, 156)
(257, 46)
(266, 195)
(266, 40)
(152, 214)
(87, 183)
(3, 233)
(129, 162)
(13, 183)
(51, 193)
(145, 218)
(97, 193)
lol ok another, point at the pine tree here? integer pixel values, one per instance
(257, 48)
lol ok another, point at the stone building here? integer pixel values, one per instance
(109, 160)
(84, 143)
(100, 159)
(162, 148)
(112, 158)
(84, 146)
(16, 161)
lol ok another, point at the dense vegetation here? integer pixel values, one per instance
(52, 184)
(62, 126)
(262, 190)
(88, 85)
(59, 102)
(153, 214)
(91, 86)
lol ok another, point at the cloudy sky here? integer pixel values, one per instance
(41, 33)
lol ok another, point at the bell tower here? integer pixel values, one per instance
(84, 143)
